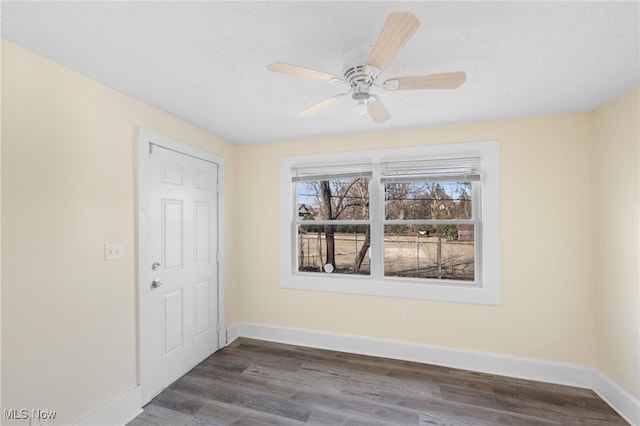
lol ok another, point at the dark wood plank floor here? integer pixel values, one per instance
(253, 382)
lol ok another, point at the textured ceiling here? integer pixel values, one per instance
(205, 62)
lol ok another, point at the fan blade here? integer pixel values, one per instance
(320, 106)
(301, 71)
(377, 110)
(449, 80)
(397, 30)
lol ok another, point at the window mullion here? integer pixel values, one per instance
(332, 222)
(376, 214)
(429, 222)
(476, 214)
(294, 226)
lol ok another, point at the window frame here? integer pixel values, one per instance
(486, 289)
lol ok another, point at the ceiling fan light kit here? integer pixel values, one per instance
(396, 31)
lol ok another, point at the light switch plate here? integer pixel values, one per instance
(113, 251)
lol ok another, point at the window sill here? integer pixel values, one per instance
(406, 289)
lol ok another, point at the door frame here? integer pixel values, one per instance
(144, 273)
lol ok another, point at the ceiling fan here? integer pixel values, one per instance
(397, 30)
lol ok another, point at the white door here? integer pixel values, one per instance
(179, 289)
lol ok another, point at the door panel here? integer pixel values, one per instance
(202, 179)
(201, 308)
(172, 326)
(172, 173)
(202, 228)
(171, 234)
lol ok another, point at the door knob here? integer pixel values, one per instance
(155, 265)
(156, 283)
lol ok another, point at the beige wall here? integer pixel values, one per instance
(547, 309)
(616, 230)
(68, 186)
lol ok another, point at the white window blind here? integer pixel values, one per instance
(331, 172)
(460, 169)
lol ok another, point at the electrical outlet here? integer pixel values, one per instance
(400, 316)
(113, 251)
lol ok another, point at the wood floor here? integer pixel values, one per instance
(253, 382)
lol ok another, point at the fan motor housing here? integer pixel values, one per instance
(360, 82)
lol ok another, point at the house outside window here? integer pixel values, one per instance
(418, 222)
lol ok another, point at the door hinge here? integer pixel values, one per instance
(218, 187)
(218, 327)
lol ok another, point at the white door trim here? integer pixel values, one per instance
(146, 137)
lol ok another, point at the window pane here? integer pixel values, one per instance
(428, 200)
(338, 199)
(429, 251)
(344, 247)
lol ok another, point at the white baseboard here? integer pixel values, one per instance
(523, 368)
(503, 365)
(119, 411)
(619, 399)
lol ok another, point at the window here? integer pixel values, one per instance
(416, 222)
(430, 212)
(333, 225)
